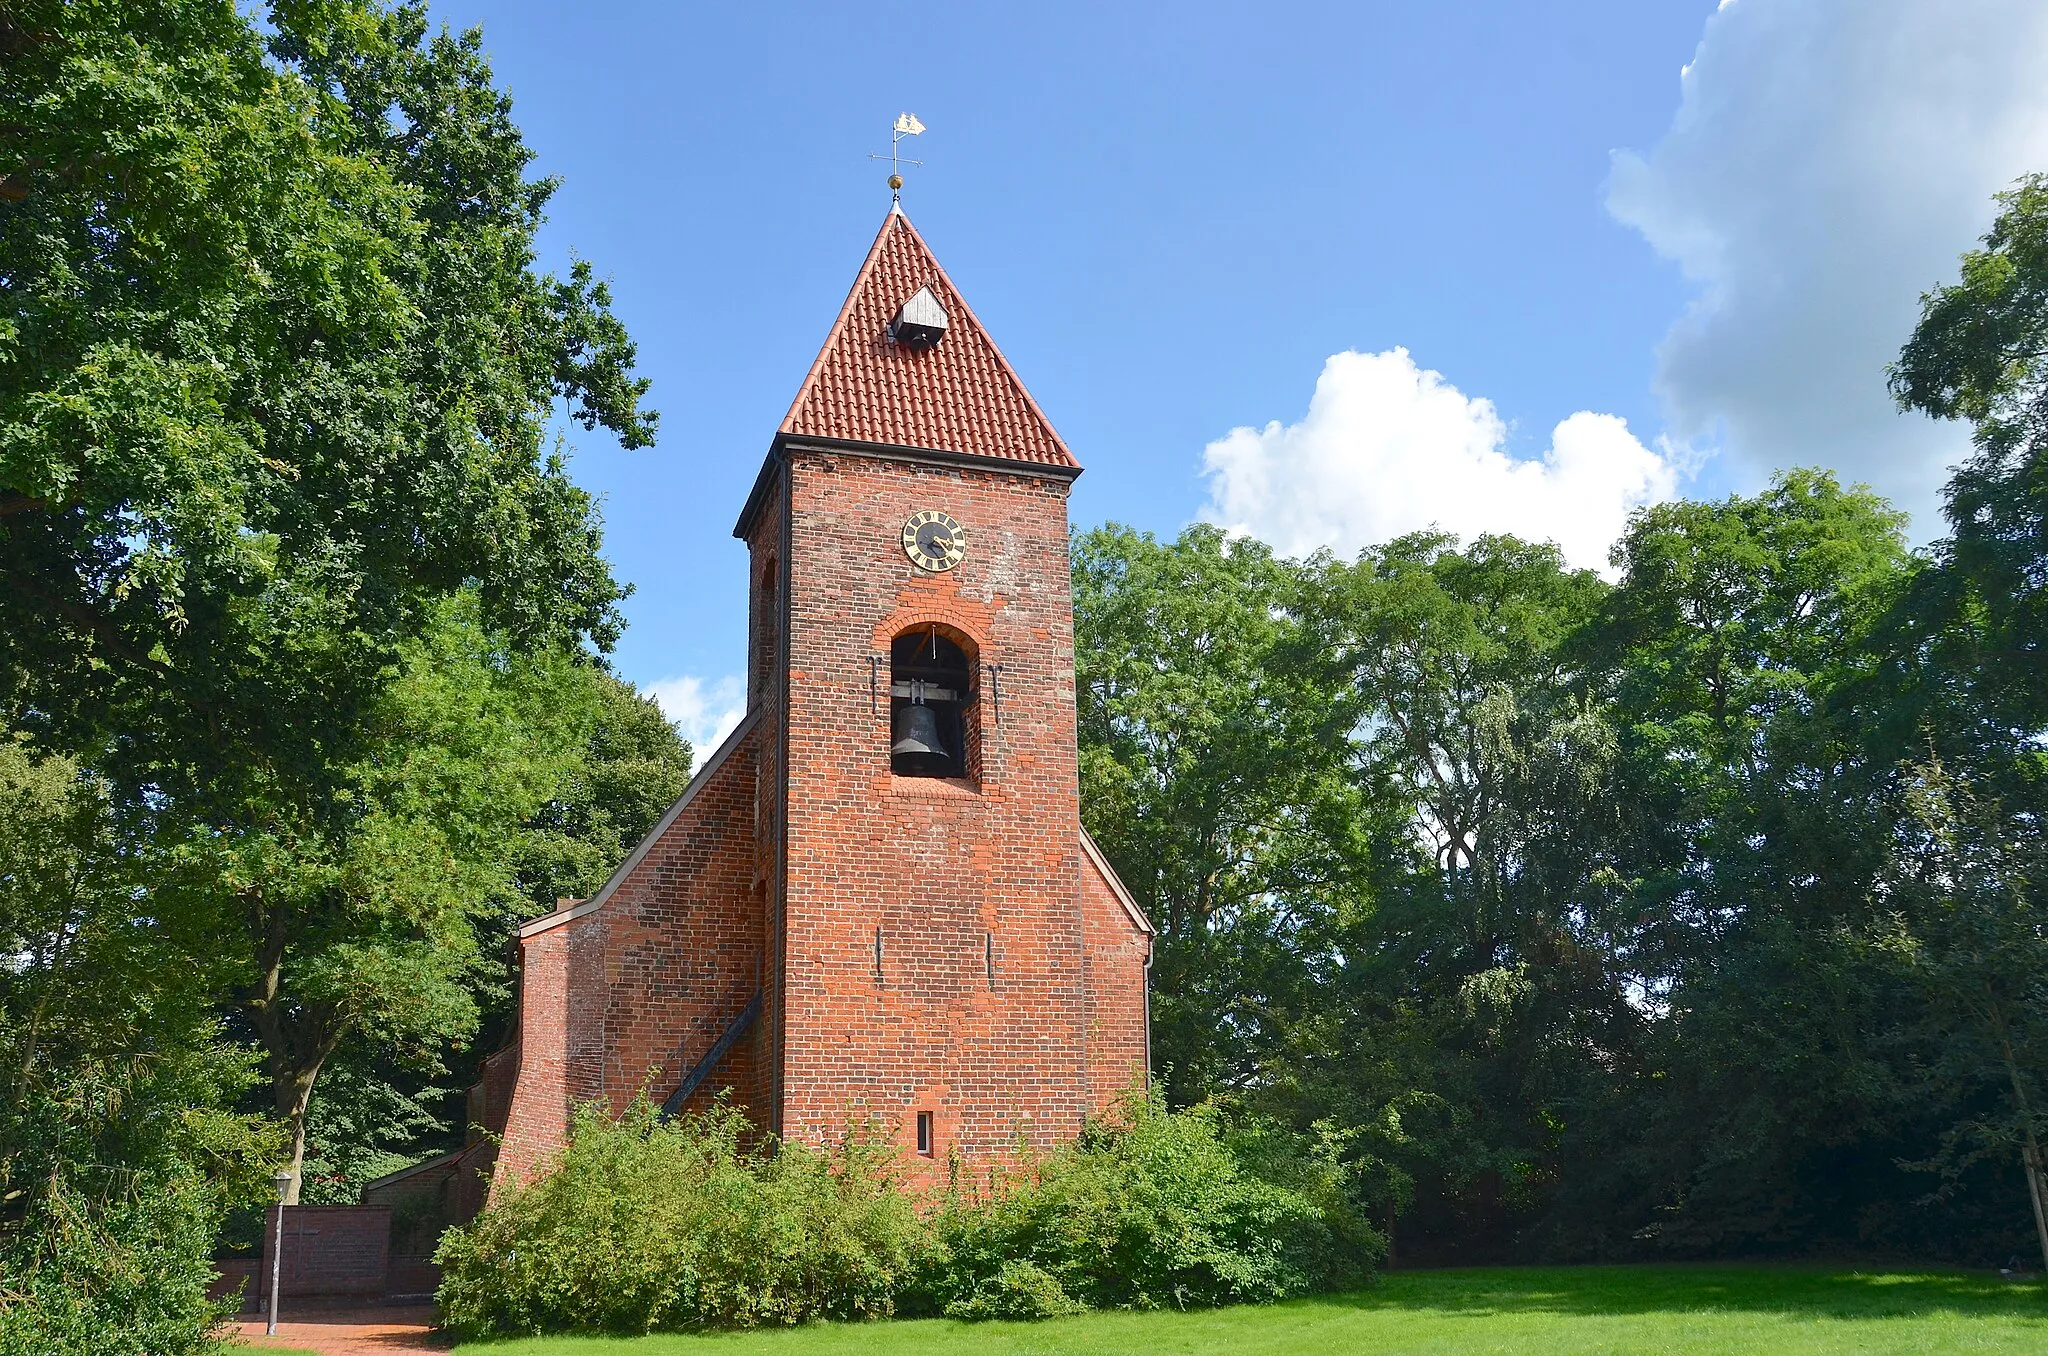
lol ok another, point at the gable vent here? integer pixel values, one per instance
(919, 322)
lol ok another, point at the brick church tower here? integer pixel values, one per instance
(876, 898)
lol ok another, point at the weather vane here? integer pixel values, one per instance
(907, 125)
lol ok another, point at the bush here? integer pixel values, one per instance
(125, 1277)
(647, 1225)
(1153, 1209)
(1019, 1290)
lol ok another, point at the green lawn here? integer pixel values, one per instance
(1642, 1311)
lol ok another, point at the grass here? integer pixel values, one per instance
(1642, 1311)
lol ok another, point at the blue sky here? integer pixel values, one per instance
(1528, 273)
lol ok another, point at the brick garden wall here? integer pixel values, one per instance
(330, 1250)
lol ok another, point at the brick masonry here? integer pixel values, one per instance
(329, 1250)
(1008, 1001)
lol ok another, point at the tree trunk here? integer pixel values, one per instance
(294, 1092)
(2031, 1156)
(2030, 1152)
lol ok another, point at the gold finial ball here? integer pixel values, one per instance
(895, 181)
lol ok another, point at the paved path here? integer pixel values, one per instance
(349, 1332)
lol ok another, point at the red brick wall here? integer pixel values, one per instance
(768, 611)
(940, 868)
(795, 850)
(1117, 954)
(470, 1185)
(231, 1274)
(675, 953)
(631, 992)
(537, 1111)
(328, 1250)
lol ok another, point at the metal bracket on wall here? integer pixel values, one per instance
(995, 689)
(874, 684)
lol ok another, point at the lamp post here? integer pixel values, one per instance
(283, 1180)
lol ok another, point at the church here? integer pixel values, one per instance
(875, 902)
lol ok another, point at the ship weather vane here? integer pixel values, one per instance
(907, 125)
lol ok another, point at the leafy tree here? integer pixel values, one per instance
(632, 765)
(379, 924)
(1739, 651)
(1483, 975)
(1457, 663)
(369, 1115)
(1736, 626)
(1972, 698)
(279, 369)
(1980, 352)
(119, 1149)
(1212, 772)
(1970, 933)
(607, 764)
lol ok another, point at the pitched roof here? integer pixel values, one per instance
(958, 395)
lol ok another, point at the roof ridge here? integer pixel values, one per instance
(957, 395)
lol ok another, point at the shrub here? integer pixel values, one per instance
(120, 1277)
(1018, 1290)
(647, 1224)
(1151, 1209)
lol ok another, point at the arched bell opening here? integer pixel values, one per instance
(931, 688)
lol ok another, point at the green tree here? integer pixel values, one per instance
(119, 1148)
(631, 766)
(601, 764)
(279, 369)
(1212, 770)
(1457, 663)
(1739, 654)
(1972, 703)
(1969, 931)
(1483, 976)
(378, 924)
(1980, 353)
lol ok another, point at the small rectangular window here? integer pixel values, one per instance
(924, 1133)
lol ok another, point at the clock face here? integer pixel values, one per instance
(934, 540)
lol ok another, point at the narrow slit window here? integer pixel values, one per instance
(924, 1133)
(766, 613)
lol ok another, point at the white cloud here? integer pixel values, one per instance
(1388, 447)
(1828, 162)
(705, 712)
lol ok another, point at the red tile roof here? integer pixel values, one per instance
(958, 395)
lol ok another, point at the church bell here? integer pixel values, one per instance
(917, 730)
